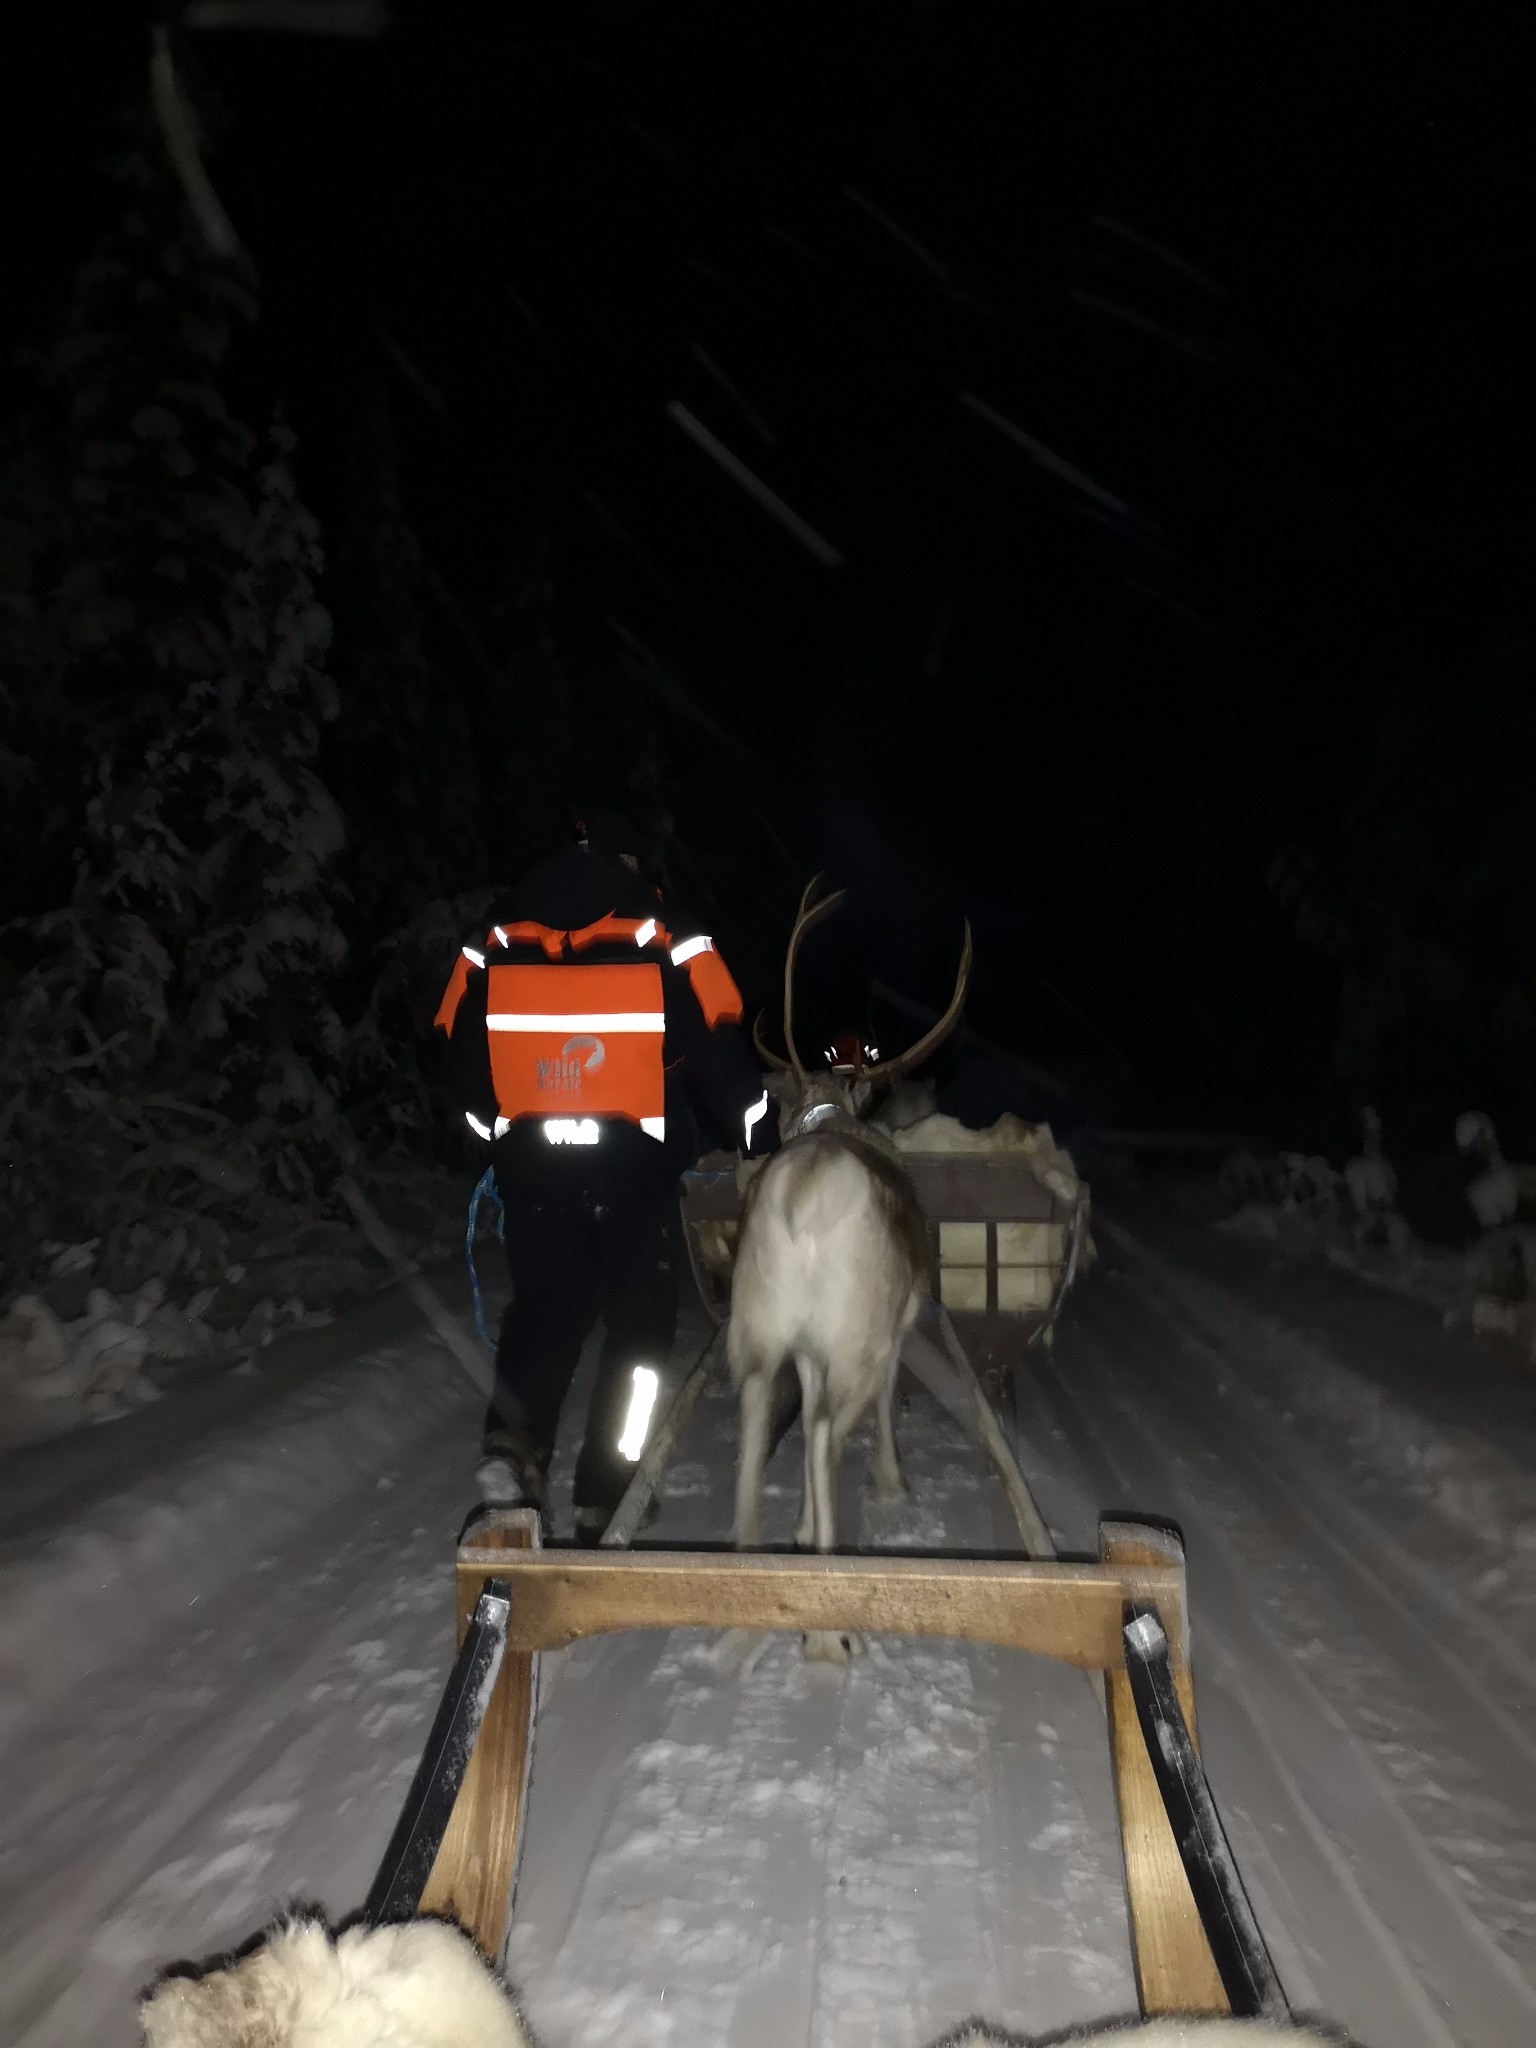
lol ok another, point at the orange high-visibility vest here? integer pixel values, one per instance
(578, 1041)
(714, 989)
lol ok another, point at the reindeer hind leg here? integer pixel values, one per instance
(886, 1465)
(752, 1456)
(813, 1401)
(823, 1446)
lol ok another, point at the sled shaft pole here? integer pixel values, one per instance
(1237, 1947)
(412, 1851)
(446, 1328)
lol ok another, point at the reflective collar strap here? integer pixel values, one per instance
(609, 930)
(635, 931)
(550, 942)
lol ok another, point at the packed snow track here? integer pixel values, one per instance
(223, 1630)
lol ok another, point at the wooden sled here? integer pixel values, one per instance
(1195, 1944)
(1006, 1247)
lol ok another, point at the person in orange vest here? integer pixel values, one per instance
(596, 1049)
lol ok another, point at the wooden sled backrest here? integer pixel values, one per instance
(1070, 1612)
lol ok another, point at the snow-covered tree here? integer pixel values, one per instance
(182, 989)
(402, 759)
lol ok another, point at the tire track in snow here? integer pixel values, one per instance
(1406, 2012)
(1433, 1705)
(1345, 1533)
(1424, 1932)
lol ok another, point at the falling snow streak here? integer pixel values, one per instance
(531, 319)
(898, 233)
(1055, 464)
(1187, 344)
(659, 145)
(483, 658)
(425, 390)
(1135, 534)
(611, 523)
(648, 668)
(1145, 242)
(800, 248)
(754, 487)
(1172, 604)
(179, 129)
(718, 277)
(987, 311)
(711, 368)
(292, 17)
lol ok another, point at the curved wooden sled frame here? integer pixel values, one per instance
(1072, 1612)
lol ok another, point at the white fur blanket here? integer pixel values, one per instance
(424, 1985)
(421, 1985)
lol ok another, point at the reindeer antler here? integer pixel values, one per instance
(904, 1062)
(768, 1058)
(809, 915)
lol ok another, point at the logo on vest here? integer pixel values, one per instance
(562, 1075)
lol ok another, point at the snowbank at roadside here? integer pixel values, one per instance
(100, 1364)
(80, 1347)
(79, 1594)
(1478, 1477)
(1309, 1208)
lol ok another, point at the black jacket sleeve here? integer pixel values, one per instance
(723, 1078)
(469, 1052)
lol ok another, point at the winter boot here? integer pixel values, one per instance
(511, 1473)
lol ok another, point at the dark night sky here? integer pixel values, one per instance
(556, 208)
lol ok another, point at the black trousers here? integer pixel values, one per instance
(570, 1266)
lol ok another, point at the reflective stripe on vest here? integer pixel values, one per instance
(714, 989)
(577, 1041)
(550, 942)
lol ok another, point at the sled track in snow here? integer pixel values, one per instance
(1350, 1537)
(1138, 1417)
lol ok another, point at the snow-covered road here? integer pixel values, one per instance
(1366, 1677)
(215, 1679)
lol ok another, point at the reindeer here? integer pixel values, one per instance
(832, 1269)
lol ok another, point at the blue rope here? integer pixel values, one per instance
(485, 1185)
